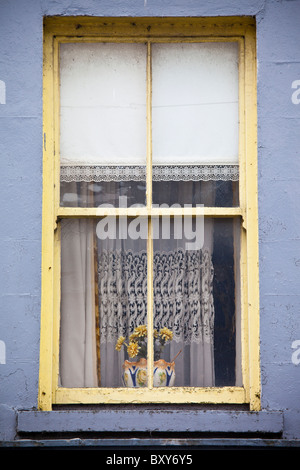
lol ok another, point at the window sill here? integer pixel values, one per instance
(150, 421)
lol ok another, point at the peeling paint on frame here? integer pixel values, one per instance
(145, 29)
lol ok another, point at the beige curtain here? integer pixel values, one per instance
(78, 347)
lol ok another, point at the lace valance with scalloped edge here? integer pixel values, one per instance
(99, 173)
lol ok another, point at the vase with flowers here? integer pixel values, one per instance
(135, 371)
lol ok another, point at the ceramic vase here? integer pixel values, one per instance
(135, 373)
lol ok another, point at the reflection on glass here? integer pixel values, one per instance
(94, 194)
(102, 119)
(208, 193)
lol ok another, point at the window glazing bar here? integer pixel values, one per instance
(150, 343)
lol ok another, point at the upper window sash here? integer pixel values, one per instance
(186, 131)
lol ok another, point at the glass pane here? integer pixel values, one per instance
(107, 193)
(102, 122)
(196, 293)
(209, 193)
(197, 308)
(103, 301)
(195, 120)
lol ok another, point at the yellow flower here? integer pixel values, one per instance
(166, 334)
(140, 331)
(133, 349)
(133, 337)
(155, 333)
(119, 343)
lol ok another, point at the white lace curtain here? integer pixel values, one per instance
(183, 302)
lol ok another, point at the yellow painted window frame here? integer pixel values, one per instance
(148, 30)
